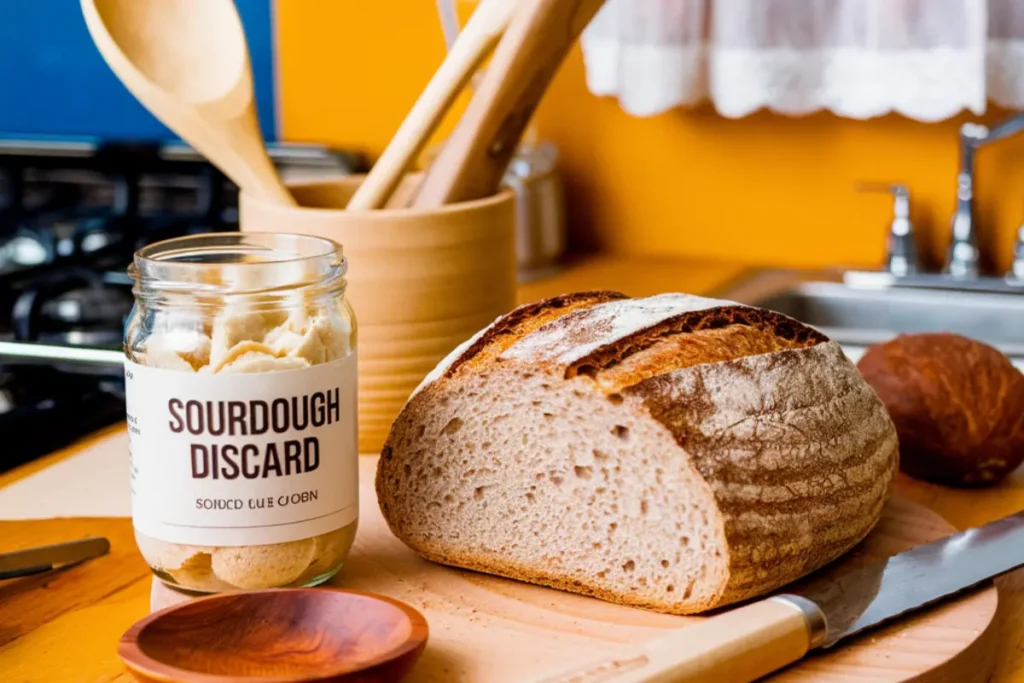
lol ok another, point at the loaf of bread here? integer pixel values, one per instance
(671, 452)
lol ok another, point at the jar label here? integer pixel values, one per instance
(242, 459)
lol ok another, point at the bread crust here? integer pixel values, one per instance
(526, 318)
(686, 324)
(797, 451)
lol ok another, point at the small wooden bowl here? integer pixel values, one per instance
(279, 636)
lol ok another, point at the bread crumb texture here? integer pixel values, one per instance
(674, 453)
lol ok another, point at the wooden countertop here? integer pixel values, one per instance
(69, 634)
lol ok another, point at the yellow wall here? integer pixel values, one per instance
(765, 189)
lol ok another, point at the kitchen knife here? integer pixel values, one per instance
(45, 558)
(747, 643)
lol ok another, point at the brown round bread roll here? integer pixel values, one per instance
(958, 406)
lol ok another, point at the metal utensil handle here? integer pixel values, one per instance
(48, 353)
(51, 555)
(26, 571)
(448, 12)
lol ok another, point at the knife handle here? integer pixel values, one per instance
(738, 646)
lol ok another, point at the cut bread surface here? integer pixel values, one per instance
(674, 452)
(553, 485)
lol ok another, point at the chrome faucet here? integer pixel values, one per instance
(964, 255)
(962, 269)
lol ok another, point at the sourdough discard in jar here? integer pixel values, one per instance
(240, 379)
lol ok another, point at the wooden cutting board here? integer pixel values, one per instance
(485, 628)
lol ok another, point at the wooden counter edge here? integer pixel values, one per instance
(32, 467)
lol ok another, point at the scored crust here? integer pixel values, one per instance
(769, 431)
(522, 321)
(703, 336)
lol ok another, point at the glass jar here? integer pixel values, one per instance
(240, 380)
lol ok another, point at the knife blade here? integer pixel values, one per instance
(871, 596)
(45, 558)
(755, 640)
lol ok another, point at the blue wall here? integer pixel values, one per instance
(53, 81)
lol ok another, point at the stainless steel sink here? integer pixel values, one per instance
(857, 316)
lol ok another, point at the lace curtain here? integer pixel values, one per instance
(925, 59)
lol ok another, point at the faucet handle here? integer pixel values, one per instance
(964, 256)
(1017, 268)
(901, 245)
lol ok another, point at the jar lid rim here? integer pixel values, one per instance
(299, 247)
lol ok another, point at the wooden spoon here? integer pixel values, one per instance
(188, 63)
(473, 44)
(476, 155)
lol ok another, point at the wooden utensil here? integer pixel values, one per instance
(472, 45)
(311, 634)
(477, 153)
(187, 62)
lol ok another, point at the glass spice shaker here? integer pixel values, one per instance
(240, 379)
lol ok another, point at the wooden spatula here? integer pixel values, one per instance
(474, 43)
(187, 62)
(477, 153)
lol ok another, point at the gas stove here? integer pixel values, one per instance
(72, 214)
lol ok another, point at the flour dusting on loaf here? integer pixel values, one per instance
(584, 331)
(673, 452)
